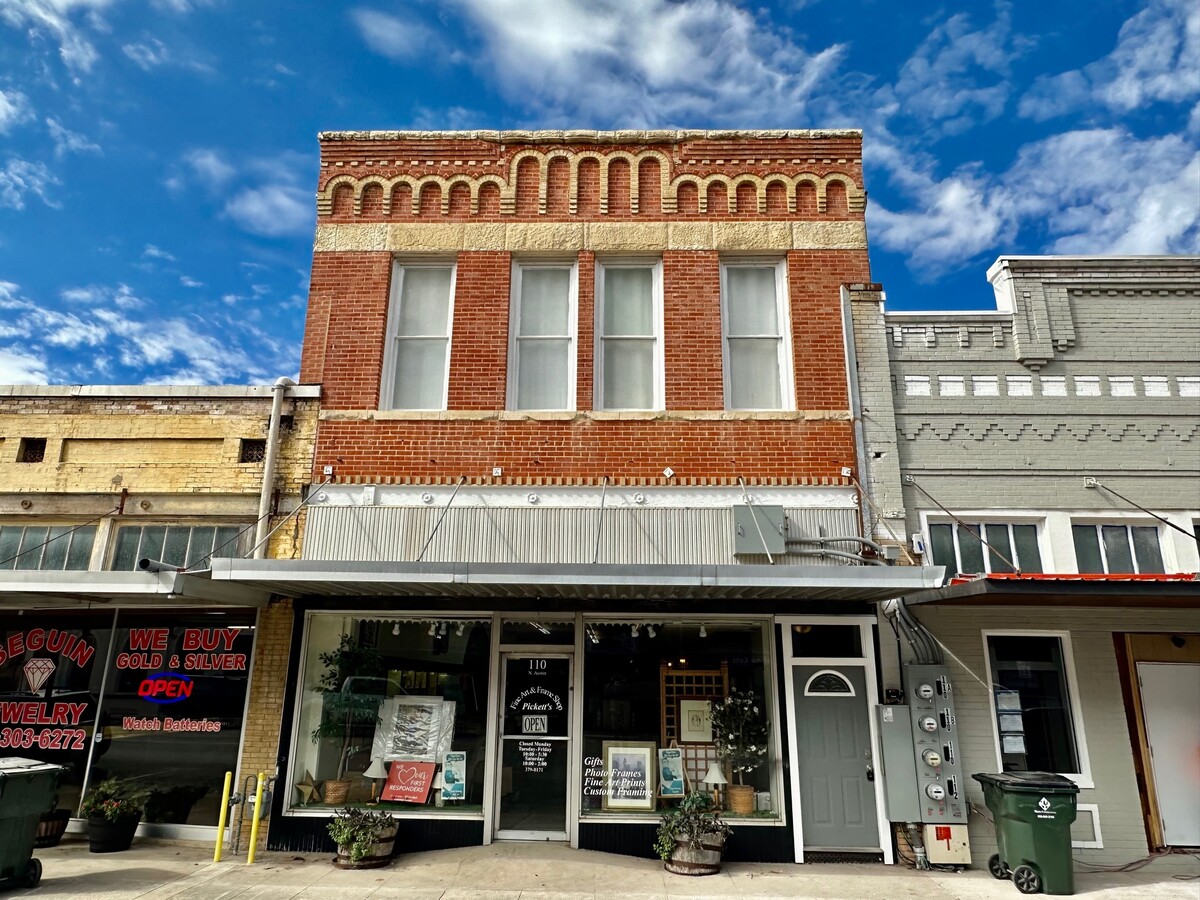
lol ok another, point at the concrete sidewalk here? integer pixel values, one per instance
(162, 870)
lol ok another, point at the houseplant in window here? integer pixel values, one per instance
(113, 809)
(352, 675)
(364, 838)
(740, 737)
(691, 836)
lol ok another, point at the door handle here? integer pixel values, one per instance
(870, 772)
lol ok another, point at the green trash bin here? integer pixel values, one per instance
(1033, 812)
(27, 789)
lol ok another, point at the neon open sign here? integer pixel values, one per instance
(166, 687)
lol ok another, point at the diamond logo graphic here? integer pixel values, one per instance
(1044, 804)
(37, 671)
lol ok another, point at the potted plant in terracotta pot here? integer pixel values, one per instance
(365, 838)
(691, 836)
(113, 809)
(740, 736)
(344, 706)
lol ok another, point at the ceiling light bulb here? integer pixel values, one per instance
(396, 629)
(634, 631)
(459, 630)
(650, 630)
(432, 628)
(703, 631)
(442, 629)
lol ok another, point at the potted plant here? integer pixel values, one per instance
(364, 838)
(343, 707)
(113, 809)
(740, 736)
(691, 836)
(52, 826)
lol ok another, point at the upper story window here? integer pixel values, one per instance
(178, 545)
(1117, 549)
(46, 547)
(960, 549)
(541, 371)
(418, 362)
(629, 327)
(754, 316)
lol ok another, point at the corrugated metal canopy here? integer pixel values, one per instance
(324, 578)
(53, 590)
(1113, 591)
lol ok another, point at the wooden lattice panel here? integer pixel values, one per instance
(675, 684)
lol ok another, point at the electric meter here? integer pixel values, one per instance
(935, 791)
(925, 691)
(928, 723)
(932, 758)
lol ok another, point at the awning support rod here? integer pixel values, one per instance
(1093, 483)
(600, 520)
(445, 509)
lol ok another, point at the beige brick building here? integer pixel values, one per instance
(116, 500)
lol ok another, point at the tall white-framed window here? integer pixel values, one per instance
(1117, 549)
(1037, 720)
(417, 366)
(757, 335)
(961, 549)
(542, 328)
(629, 329)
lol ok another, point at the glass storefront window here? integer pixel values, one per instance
(51, 668)
(394, 710)
(172, 712)
(178, 545)
(647, 689)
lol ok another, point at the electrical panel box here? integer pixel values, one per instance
(749, 520)
(940, 788)
(899, 769)
(947, 845)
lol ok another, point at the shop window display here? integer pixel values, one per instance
(648, 737)
(392, 713)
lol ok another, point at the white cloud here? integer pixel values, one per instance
(121, 296)
(942, 82)
(152, 252)
(55, 18)
(66, 141)
(391, 36)
(14, 109)
(273, 210)
(639, 62)
(1157, 59)
(190, 282)
(20, 367)
(210, 168)
(147, 55)
(19, 178)
(1094, 192)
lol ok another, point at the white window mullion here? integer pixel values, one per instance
(629, 357)
(542, 329)
(756, 336)
(420, 320)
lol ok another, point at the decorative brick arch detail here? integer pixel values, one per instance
(668, 186)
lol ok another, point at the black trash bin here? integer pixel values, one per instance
(1033, 812)
(27, 789)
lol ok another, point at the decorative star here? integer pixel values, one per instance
(308, 789)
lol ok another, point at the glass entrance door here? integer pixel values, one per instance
(535, 747)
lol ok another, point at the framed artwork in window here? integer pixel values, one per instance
(629, 781)
(695, 720)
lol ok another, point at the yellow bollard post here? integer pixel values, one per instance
(224, 814)
(254, 822)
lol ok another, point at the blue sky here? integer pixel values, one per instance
(158, 159)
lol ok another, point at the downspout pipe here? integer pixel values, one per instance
(860, 453)
(263, 524)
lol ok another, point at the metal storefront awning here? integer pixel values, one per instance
(65, 590)
(310, 578)
(1175, 591)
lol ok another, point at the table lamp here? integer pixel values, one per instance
(715, 778)
(376, 770)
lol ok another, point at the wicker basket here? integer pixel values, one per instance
(741, 799)
(336, 792)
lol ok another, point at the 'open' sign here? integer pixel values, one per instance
(535, 724)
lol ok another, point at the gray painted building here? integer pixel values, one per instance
(1055, 436)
